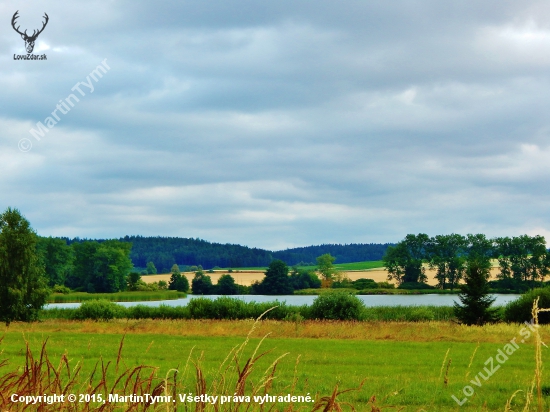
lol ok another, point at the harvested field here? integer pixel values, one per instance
(248, 277)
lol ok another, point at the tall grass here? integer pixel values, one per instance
(237, 379)
(116, 297)
(409, 313)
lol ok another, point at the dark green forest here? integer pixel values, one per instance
(164, 252)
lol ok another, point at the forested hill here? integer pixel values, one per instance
(165, 251)
(355, 252)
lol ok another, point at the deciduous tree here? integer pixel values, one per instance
(178, 281)
(23, 285)
(201, 284)
(448, 256)
(404, 260)
(276, 280)
(227, 286)
(57, 258)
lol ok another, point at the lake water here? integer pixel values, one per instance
(370, 300)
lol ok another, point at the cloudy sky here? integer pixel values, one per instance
(279, 124)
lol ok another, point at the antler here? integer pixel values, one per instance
(43, 25)
(15, 16)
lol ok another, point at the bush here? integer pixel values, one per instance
(519, 310)
(386, 285)
(100, 309)
(414, 285)
(61, 289)
(363, 283)
(303, 279)
(337, 306)
(420, 314)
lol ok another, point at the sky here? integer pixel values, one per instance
(278, 124)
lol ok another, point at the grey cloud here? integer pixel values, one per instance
(283, 123)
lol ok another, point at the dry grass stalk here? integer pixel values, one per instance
(331, 403)
(446, 378)
(39, 376)
(471, 361)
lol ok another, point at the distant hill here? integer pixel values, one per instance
(354, 252)
(165, 251)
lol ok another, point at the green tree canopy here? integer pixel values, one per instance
(304, 279)
(276, 280)
(201, 284)
(23, 285)
(151, 269)
(523, 258)
(447, 254)
(404, 260)
(101, 267)
(227, 286)
(325, 266)
(57, 258)
(134, 280)
(178, 281)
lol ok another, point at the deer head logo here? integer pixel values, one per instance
(29, 40)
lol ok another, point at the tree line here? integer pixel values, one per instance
(524, 260)
(164, 252)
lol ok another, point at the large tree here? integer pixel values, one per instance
(101, 267)
(276, 280)
(201, 284)
(23, 285)
(325, 266)
(227, 286)
(447, 254)
(57, 258)
(178, 281)
(523, 259)
(404, 260)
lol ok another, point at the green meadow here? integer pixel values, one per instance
(368, 264)
(408, 366)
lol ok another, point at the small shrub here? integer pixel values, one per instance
(337, 306)
(386, 285)
(415, 285)
(363, 283)
(99, 310)
(420, 314)
(519, 310)
(61, 289)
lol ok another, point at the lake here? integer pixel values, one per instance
(369, 300)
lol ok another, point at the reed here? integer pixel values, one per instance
(235, 309)
(138, 296)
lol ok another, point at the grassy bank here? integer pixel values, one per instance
(378, 291)
(411, 366)
(230, 309)
(115, 297)
(393, 291)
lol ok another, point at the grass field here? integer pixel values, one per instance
(404, 364)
